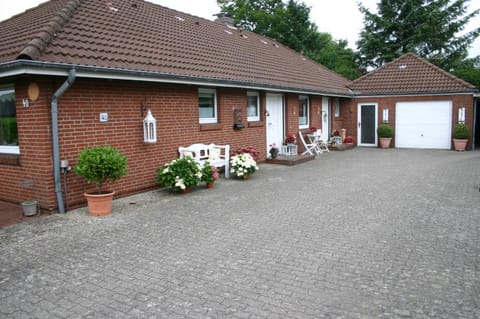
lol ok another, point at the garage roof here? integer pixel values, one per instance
(409, 74)
(135, 35)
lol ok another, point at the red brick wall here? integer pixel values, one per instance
(351, 107)
(30, 176)
(176, 109)
(174, 106)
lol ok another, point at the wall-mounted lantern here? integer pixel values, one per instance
(385, 115)
(461, 115)
(149, 128)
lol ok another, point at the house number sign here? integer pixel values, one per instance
(103, 117)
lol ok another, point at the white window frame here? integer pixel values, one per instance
(301, 98)
(207, 120)
(337, 108)
(9, 149)
(257, 117)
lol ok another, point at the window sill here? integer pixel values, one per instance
(10, 159)
(211, 127)
(255, 124)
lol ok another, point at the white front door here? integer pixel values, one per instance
(367, 124)
(325, 117)
(275, 122)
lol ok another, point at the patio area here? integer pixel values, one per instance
(367, 233)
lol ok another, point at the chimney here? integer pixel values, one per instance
(224, 18)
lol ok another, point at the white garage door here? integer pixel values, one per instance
(423, 124)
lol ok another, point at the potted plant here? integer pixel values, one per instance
(100, 165)
(290, 139)
(250, 150)
(180, 174)
(460, 137)
(273, 150)
(349, 140)
(209, 174)
(29, 207)
(385, 134)
(242, 165)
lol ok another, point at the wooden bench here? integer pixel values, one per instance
(216, 155)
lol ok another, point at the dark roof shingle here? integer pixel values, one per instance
(141, 36)
(409, 74)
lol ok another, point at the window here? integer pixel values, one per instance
(303, 114)
(8, 121)
(207, 102)
(337, 107)
(253, 106)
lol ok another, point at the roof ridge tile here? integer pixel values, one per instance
(37, 45)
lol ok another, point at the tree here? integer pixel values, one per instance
(289, 23)
(469, 70)
(428, 28)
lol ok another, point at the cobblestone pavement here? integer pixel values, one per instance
(366, 233)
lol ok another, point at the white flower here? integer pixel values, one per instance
(165, 170)
(179, 182)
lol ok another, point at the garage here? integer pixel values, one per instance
(423, 124)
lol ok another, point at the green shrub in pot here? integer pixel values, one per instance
(101, 164)
(385, 131)
(461, 132)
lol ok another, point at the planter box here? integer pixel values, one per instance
(30, 207)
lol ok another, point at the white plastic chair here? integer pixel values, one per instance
(309, 147)
(323, 142)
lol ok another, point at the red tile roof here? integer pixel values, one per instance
(409, 74)
(135, 35)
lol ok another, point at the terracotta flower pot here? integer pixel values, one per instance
(385, 142)
(460, 145)
(210, 184)
(99, 204)
(187, 190)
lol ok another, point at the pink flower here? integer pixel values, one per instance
(215, 175)
(214, 169)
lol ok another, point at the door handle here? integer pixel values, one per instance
(359, 124)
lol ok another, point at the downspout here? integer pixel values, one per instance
(55, 142)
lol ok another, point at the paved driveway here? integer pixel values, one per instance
(366, 233)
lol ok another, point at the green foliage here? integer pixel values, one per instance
(427, 28)
(335, 55)
(461, 132)
(469, 70)
(180, 173)
(289, 23)
(100, 165)
(385, 131)
(8, 131)
(209, 173)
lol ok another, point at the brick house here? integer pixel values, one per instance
(82, 73)
(421, 101)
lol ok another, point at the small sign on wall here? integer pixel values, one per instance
(103, 117)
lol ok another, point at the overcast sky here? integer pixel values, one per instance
(340, 18)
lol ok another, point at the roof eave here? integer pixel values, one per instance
(426, 93)
(28, 67)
